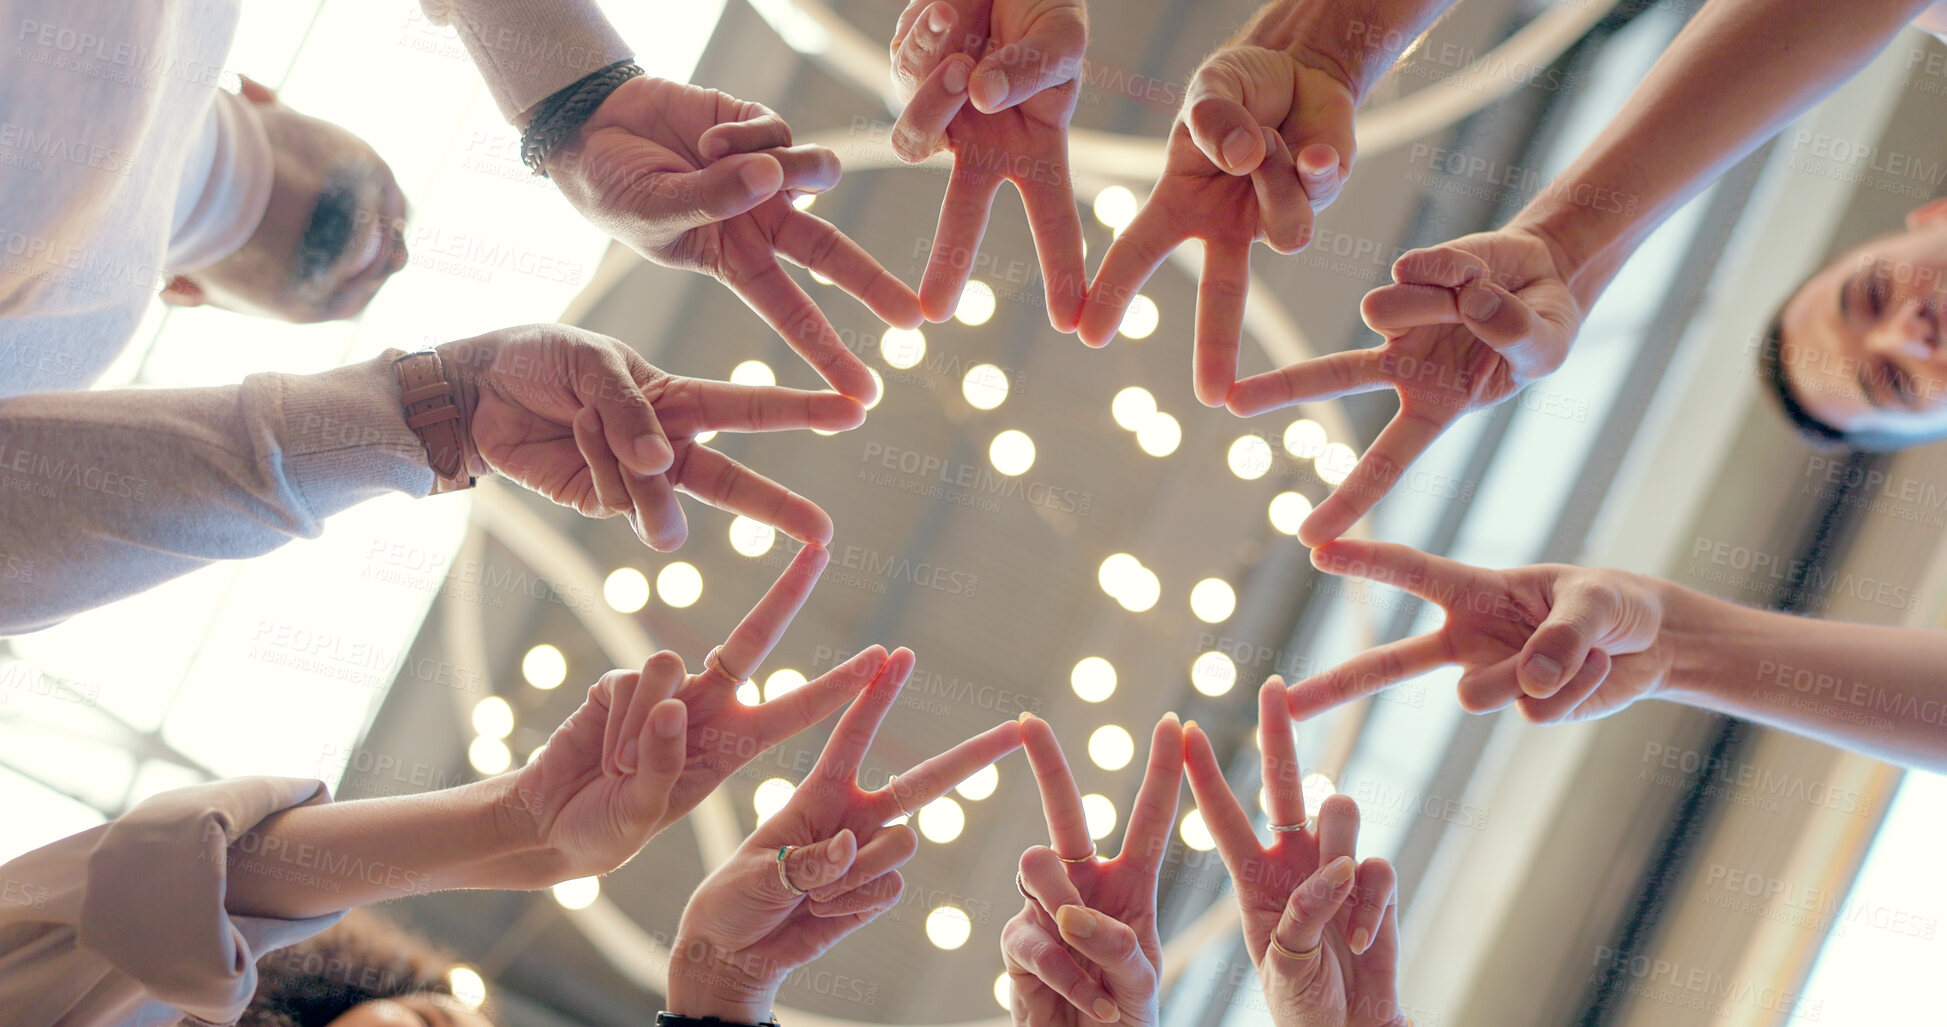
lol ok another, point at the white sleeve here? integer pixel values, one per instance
(106, 494)
(125, 922)
(527, 50)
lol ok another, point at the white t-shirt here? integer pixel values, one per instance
(113, 143)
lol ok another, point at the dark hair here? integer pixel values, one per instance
(1812, 431)
(363, 958)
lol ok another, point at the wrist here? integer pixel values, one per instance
(705, 982)
(466, 364)
(1336, 37)
(1696, 629)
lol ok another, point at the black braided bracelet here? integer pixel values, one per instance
(560, 116)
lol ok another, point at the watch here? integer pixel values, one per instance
(669, 1019)
(431, 403)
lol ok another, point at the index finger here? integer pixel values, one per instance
(1433, 578)
(1236, 840)
(956, 242)
(1283, 791)
(1057, 225)
(1221, 293)
(728, 485)
(1132, 258)
(814, 243)
(792, 314)
(696, 405)
(845, 751)
(1345, 373)
(936, 776)
(1061, 801)
(1369, 672)
(1154, 811)
(766, 622)
(1400, 443)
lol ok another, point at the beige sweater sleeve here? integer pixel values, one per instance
(529, 49)
(124, 923)
(106, 494)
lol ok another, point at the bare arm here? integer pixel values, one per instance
(1734, 76)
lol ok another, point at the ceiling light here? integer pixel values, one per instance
(1111, 747)
(1305, 439)
(942, 820)
(1132, 406)
(489, 755)
(1288, 511)
(750, 537)
(493, 718)
(754, 372)
(879, 387)
(679, 584)
(1117, 572)
(985, 386)
(1004, 991)
(948, 927)
(976, 304)
(1012, 452)
(577, 892)
(903, 347)
(981, 783)
(1335, 463)
(1141, 319)
(1213, 674)
(544, 667)
(1250, 457)
(1213, 601)
(626, 590)
(1159, 434)
(1099, 812)
(706, 438)
(782, 683)
(803, 201)
(1115, 207)
(1196, 833)
(1093, 679)
(747, 694)
(467, 986)
(1143, 591)
(771, 797)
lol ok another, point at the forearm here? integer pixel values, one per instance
(319, 859)
(1876, 690)
(1361, 37)
(527, 50)
(1736, 74)
(106, 494)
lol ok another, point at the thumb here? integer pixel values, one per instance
(662, 752)
(1496, 315)
(677, 202)
(1310, 910)
(810, 867)
(1112, 945)
(1554, 654)
(1219, 123)
(1049, 55)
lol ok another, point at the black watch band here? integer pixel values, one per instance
(560, 116)
(669, 1019)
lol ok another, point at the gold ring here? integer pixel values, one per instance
(892, 788)
(1079, 859)
(1022, 886)
(1311, 953)
(714, 662)
(783, 851)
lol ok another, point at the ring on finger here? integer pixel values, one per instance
(1089, 857)
(1310, 953)
(784, 851)
(1287, 828)
(714, 662)
(892, 789)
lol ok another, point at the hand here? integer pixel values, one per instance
(646, 747)
(585, 421)
(1019, 62)
(692, 178)
(743, 931)
(1467, 325)
(1085, 945)
(1562, 643)
(1302, 890)
(1230, 178)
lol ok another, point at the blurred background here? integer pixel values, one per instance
(1066, 531)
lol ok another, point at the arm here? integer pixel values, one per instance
(528, 49)
(1734, 76)
(1568, 643)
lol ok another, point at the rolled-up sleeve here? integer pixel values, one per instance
(125, 923)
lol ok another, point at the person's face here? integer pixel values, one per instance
(333, 233)
(1862, 339)
(411, 1011)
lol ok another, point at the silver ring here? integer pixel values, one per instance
(782, 852)
(1286, 828)
(714, 662)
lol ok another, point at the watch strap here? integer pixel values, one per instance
(669, 1019)
(433, 411)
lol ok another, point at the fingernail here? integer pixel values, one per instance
(955, 78)
(1361, 940)
(1024, 717)
(626, 758)
(835, 851)
(936, 20)
(1171, 715)
(1339, 874)
(651, 450)
(990, 89)
(1237, 147)
(1544, 671)
(1076, 921)
(757, 177)
(1190, 725)
(668, 724)
(1479, 302)
(1106, 1011)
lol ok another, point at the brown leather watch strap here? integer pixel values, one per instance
(432, 407)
